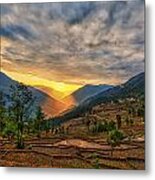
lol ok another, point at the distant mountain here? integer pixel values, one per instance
(50, 105)
(5, 82)
(133, 88)
(84, 92)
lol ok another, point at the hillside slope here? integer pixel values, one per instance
(133, 88)
(50, 105)
(84, 92)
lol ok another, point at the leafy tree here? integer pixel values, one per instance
(10, 130)
(98, 127)
(47, 127)
(103, 126)
(114, 139)
(40, 117)
(21, 102)
(111, 126)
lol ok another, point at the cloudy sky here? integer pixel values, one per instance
(66, 45)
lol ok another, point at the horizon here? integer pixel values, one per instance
(58, 96)
(83, 43)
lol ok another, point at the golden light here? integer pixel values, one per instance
(32, 80)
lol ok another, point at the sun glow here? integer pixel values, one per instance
(32, 80)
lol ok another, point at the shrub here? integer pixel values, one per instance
(114, 139)
(103, 127)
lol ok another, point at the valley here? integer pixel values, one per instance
(72, 85)
(108, 134)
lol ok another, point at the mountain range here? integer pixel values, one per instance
(133, 88)
(50, 105)
(80, 95)
(84, 98)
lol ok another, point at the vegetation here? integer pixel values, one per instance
(114, 130)
(40, 117)
(21, 102)
(119, 121)
(114, 139)
(104, 126)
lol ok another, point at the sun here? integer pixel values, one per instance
(33, 80)
(63, 87)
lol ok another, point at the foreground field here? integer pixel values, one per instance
(75, 152)
(80, 148)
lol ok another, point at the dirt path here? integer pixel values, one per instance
(81, 144)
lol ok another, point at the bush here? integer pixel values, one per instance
(103, 127)
(114, 139)
(10, 129)
(116, 136)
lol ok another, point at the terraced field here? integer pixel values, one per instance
(80, 148)
(74, 153)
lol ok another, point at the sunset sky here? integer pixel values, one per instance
(67, 45)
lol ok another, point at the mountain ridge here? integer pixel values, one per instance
(84, 92)
(50, 105)
(133, 88)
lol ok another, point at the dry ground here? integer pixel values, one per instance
(80, 148)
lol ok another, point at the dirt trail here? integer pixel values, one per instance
(81, 144)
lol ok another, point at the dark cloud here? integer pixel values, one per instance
(72, 13)
(14, 32)
(79, 41)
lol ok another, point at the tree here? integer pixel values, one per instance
(21, 102)
(119, 121)
(141, 112)
(47, 127)
(40, 117)
(10, 130)
(87, 120)
(114, 139)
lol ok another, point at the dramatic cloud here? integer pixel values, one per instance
(83, 42)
